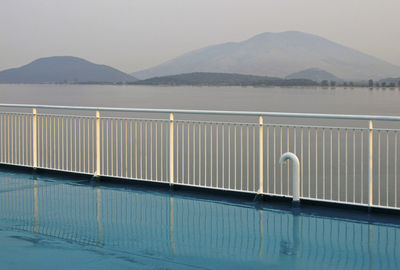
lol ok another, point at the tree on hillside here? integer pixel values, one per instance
(398, 84)
(324, 83)
(333, 83)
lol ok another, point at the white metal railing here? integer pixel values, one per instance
(343, 158)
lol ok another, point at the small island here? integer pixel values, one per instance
(223, 79)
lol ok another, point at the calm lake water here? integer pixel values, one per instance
(295, 99)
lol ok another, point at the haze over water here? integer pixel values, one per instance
(382, 101)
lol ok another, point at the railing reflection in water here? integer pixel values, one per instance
(161, 225)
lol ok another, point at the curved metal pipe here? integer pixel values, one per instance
(296, 174)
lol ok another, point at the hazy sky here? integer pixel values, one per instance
(136, 34)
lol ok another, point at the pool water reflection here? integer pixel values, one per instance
(47, 222)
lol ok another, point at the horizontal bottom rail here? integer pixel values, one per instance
(210, 188)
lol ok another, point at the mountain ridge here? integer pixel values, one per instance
(277, 55)
(63, 69)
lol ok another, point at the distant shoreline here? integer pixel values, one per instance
(211, 85)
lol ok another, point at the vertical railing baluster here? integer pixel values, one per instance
(200, 127)
(309, 161)
(19, 139)
(370, 164)
(194, 152)
(387, 168)
(288, 167)
(171, 148)
(34, 137)
(229, 156)
(126, 148)
(188, 152)
(323, 164)
(79, 143)
(24, 139)
(379, 167)
(70, 143)
(136, 148)
(205, 154)
(178, 158)
(254, 130)
(121, 153)
(280, 154)
(316, 162)
(211, 155)
(75, 145)
(261, 154)
(241, 157)
(131, 152)
(302, 161)
(354, 165)
(346, 165)
(58, 142)
(97, 171)
(107, 148)
(223, 155)
(1, 140)
(86, 157)
(8, 139)
(112, 147)
(12, 136)
(395, 167)
(247, 159)
(268, 150)
(362, 166)
(274, 144)
(102, 129)
(338, 161)
(162, 175)
(235, 156)
(93, 156)
(3, 144)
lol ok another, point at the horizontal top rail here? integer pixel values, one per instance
(212, 112)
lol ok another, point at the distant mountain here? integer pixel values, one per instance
(277, 55)
(314, 74)
(64, 69)
(223, 79)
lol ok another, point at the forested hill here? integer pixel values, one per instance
(223, 79)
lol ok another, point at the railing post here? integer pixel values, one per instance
(261, 155)
(171, 149)
(97, 171)
(34, 137)
(370, 164)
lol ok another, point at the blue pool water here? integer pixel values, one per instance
(48, 223)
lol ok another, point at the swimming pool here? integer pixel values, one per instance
(49, 223)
